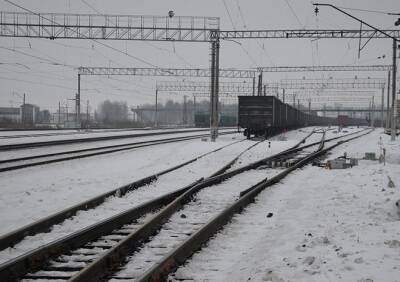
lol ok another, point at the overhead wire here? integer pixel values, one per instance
(80, 34)
(234, 27)
(257, 40)
(148, 43)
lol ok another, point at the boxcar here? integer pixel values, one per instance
(261, 115)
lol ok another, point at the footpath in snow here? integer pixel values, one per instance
(326, 225)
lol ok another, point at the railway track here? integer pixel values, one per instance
(43, 159)
(77, 132)
(43, 225)
(85, 255)
(148, 206)
(17, 146)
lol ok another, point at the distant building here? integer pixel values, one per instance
(8, 114)
(44, 117)
(29, 114)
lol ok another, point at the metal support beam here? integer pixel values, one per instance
(300, 33)
(107, 27)
(371, 83)
(226, 73)
(156, 112)
(393, 127)
(260, 86)
(382, 105)
(214, 90)
(324, 68)
(388, 102)
(78, 102)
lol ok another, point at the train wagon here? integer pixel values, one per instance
(262, 115)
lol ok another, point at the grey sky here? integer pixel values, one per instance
(46, 84)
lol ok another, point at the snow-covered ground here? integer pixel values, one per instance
(36, 192)
(326, 225)
(10, 154)
(172, 181)
(32, 193)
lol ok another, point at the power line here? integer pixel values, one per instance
(365, 10)
(179, 57)
(234, 27)
(294, 13)
(257, 41)
(73, 30)
(37, 57)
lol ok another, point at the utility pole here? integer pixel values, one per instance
(259, 86)
(194, 107)
(78, 102)
(66, 109)
(382, 105)
(184, 118)
(254, 86)
(372, 112)
(59, 112)
(156, 112)
(393, 129)
(87, 114)
(23, 111)
(265, 90)
(214, 89)
(388, 103)
(294, 100)
(283, 95)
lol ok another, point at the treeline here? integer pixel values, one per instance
(118, 113)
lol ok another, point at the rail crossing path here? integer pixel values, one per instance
(94, 243)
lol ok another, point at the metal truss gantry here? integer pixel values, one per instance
(201, 86)
(111, 27)
(226, 73)
(154, 28)
(325, 68)
(310, 34)
(307, 84)
(345, 83)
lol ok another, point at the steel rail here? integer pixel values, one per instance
(161, 270)
(116, 255)
(16, 268)
(90, 139)
(43, 225)
(125, 147)
(78, 132)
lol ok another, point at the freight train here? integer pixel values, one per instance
(267, 115)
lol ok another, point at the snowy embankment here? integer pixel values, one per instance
(326, 225)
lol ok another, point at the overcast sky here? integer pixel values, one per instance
(45, 84)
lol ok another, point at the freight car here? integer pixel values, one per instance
(267, 115)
